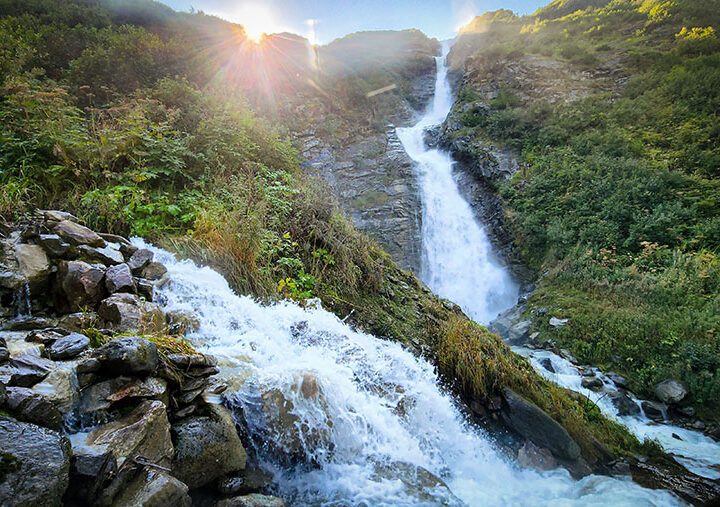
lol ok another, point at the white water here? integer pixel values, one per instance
(458, 262)
(699, 453)
(377, 404)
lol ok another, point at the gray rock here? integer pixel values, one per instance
(28, 370)
(4, 352)
(76, 234)
(60, 387)
(154, 488)
(107, 255)
(33, 408)
(36, 462)
(253, 500)
(88, 365)
(128, 355)
(686, 411)
(532, 456)
(421, 486)
(547, 364)
(119, 279)
(654, 411)
(617, 379)
(79, 321)
(145, 288)
(153, 271)
(558, 323)
(52, 215)
(591, 383)
(33, 263)
(207, 448)
(139, 260)
(250, 480)
(3, 394)
(519, 332)
(102, 395)
(503, 322)
(89, 472)
(26, 323)
(53, 245)
(143, 432)
(46, 336)
(129, 313)
(81, 283)
(69, 346)
(671, 391)
(624, 404)
(533, 423)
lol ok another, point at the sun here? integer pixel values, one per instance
(257, 20)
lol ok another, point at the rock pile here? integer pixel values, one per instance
(99, 405)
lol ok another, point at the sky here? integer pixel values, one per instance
(322, 21)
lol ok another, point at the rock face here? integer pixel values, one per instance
(129, 313)
(81, 284)
(207, 448)
(68, 346)
(77, 234)
(29, 451)
(671, 391)
(119, 279)
(154, 488)
(532, 423)
(128, 355)
(34, 264)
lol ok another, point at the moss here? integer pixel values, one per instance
(370, 199)
(8, 464)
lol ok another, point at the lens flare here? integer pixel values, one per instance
(257, 20)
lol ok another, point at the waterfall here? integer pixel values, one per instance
(458, 262)
(340, 417)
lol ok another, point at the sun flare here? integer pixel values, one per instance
(257, 20)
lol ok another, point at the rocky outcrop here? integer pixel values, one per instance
(671, 391)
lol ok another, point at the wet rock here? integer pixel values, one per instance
(78, 321)
(107, 255)
(53, 245)
(533, 423)
(661, 474)
(145, 288)
(253, 500)
(558, 323)
(81, 284)
(28, 370)
(191, 360)
(27, 323)
(76, 234)
(52, 215)
(119, 279)
(88, 365)
(102, 395)
(32, 407)
(547, 364)
(153, 271)
(35, 462)
(421, 485)
(46, 336)
(154, 488)
(671, 391)
(34, 264)
(591, 383)
(128, 355)
(532, 456)
(139, 260)
(143, 432)
(4, 352)
(503, 322)
(519, 332)
(654, 411)
(617, 379)
(624, 404)
(60, 387)
(250, 480)
(129, 313)
(69, 346)
(3, 394)
(207, 447)
(309, 386)
(686, 411)
(181, 323)
(90, 472)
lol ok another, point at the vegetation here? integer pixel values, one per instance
(620, 199)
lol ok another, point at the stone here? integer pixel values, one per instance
(33, 408)
(79, 321)
(88, 365)
(591, 383)
(114, 238)
(531, 422)
(181, 323)
(617, 379)
(76, 234)
(252, 500)
(128, 355)
(503, 322)
(547, 364)
(207, 447)
(60, 387)
(153, 271)
(519, 332)
(671, 391)
(4, 351)
(250, 480)
(309, 386)
(52, 215)
(558, 323)
(3, 394)
(662, 473)
(102, 395)
(421, 486)
(145, 288)
(654, 411)
(532, 456)
(46, 336)
(81, 283)
(154, 488)
(28, 370)
(624, 404)
(68, 346)
(26, 323)
(139, 260)
(35, 462)
(34, 264)
(686, 411)
(53, 245)
(90, 471)
(190, 360)
(107, 255)
(143, 432)
(119, 279)
(128, 313)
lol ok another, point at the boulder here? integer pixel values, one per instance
(81, 283)
(107, 255)
(659, 473)
(421, 486)
(531, 422)
(129, 313)
(68, 346)
(90, 471)
(78, 321)
(253, 500)
(27, 370)
(207, 447)
(139, 260)
(46, 336)
(52, 215)
(34, 264)
(102, 395)
(671, 391)
(617, 379)
(145, 288)
(154, 488)
(3, 394)
(591, 383)
(558, 323)
(34, 463)
(532, 456)
(76, 234)
(53, 245)
(654, 411)
(624, 404)
(33, 408)
(250, 480)
(143, 432)
(153, 271)
(60, 387)
(128, 355)
(4, 351)
(519, 332)
(547, 364)
(119, 279)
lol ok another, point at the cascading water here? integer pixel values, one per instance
(458, 261)
(349, 419)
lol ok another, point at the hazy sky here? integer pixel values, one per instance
(335, 18)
